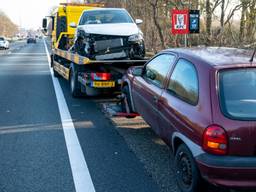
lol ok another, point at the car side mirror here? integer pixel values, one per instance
(72, 25)
(138, 21)
(44, 24)
(137, 71)
(150, 75)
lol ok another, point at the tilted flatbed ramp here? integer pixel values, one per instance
(81, 60)
(90, 77)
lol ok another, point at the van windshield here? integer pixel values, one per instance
(105, 17)
(238, 93)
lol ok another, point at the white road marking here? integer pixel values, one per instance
(23, 64)
(80, 172)
(34, 54)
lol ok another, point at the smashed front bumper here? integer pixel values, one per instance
(103, 47)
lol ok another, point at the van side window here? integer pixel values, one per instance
(157, 69)
(184, 82)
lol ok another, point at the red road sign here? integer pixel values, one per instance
(180, 21)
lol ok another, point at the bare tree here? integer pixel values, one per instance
(8, 28)
(157, 21)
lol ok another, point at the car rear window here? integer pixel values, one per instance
(1, 39)
(237, 90)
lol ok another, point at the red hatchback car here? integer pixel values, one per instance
(202, 102)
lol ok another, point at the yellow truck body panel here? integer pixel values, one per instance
(71, 13)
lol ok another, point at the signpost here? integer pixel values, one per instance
(194, 21)
(180, 21)
(185, 22)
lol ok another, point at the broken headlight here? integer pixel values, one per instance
(135, 37)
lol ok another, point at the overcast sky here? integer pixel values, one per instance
(27, 13)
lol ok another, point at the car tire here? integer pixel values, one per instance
(186, 172)
(75, 87)
(127, 101)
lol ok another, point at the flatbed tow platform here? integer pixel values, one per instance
(90, 77)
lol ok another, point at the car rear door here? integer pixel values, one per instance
(148, 88)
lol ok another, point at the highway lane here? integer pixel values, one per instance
(33, 153)
(33, 156)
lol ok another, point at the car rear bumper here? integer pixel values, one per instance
(228, 171)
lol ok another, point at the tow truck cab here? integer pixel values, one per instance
(59, 28)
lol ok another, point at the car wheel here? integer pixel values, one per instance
(75, 87)
(187, 174)
(126, 101)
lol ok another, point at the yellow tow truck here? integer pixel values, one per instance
(86, 76)
(60, 19)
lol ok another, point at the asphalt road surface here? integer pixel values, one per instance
(51, 142)
(33, 150)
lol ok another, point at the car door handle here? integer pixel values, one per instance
(155, 99)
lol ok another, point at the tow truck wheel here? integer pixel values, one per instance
(126, 101)
(75, 87)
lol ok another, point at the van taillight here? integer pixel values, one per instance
(215, 140)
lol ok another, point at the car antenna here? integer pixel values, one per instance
(251, 60)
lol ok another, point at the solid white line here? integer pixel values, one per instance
(80, 172)
(34, 54)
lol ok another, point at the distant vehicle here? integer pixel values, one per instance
(202, 102)
(31, 40)
(4, 43)
(109, 33)
(15, 38)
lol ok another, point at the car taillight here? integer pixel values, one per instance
(215, 140)
(101, 76)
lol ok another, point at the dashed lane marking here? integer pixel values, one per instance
(79, 168)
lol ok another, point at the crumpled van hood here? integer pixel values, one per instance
(118, 29)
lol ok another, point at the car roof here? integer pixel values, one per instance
(216, 56)
(104, 9)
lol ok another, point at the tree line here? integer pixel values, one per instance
(7, 27)
(223, 22)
